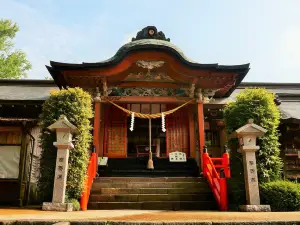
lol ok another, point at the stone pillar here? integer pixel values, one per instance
(64, 130)
(250, 176)
(247, 136)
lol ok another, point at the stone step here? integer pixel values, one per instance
(98, 185)
(150, 197)
(156, 167)
(155, 205)
(148, 179)
(202, 190)
(148, 173)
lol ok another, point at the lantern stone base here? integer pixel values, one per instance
(255, 208)
(62, 207)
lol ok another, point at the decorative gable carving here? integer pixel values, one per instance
(149, 76)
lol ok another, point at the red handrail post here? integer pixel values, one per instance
(226, 163)
(223, 191)
(205, 162)
(91, 174)
(216, 176)
(223, 194)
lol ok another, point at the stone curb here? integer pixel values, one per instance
(43, 222)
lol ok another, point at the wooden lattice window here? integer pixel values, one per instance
(115, 132)
(177, 134)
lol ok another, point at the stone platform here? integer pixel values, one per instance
(126, 217)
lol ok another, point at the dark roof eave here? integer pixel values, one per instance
(268, 84)
(240, 77)
(124, 51)
(57, 77)
(26, 82)
(291, 120)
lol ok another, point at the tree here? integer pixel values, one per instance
(13, 63)
(258, 104)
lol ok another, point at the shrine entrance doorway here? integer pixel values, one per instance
(138, 139)
(120, 142)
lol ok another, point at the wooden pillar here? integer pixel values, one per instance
(192, 131)
(201, 130)
(22, 165)
(223, 139)
(96, 135)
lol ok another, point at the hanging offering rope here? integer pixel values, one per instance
(150, 161)
(132, 121)
(163, 122)
(149, 116)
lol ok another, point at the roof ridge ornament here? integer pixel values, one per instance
(150, 32)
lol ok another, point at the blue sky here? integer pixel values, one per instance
(264, 33)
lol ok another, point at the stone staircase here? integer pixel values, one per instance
(152, 193)
(136, 167)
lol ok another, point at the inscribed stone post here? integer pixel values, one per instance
(64, 130)
(247, 136)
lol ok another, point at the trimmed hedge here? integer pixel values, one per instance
(281, 195)
(76, 105)
(258, 104)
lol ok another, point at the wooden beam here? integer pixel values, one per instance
(148, 99)
(10, 129)
(201, 131)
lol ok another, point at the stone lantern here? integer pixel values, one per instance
(247, 136)
(64, 133)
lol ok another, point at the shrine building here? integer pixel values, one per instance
(151, 103)
(150, 75)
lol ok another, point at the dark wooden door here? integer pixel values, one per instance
(115, 132)
(177, 130)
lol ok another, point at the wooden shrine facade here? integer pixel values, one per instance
(151, 75)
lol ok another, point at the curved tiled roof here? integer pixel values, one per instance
(151, 45)
(150, 40)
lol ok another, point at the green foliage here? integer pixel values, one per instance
(236, 185)
(13, 64)
(258, 104)
(75, 202)
(48, 78)
(76, 105)
(281, 195)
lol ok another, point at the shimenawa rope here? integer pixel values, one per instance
(149, 116)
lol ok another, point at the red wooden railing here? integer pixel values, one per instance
(216, 170)
(91, 174)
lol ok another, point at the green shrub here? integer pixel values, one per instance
(75, 202)
(281, 195)
(236, 184)
(76, 105)
(258, 104)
